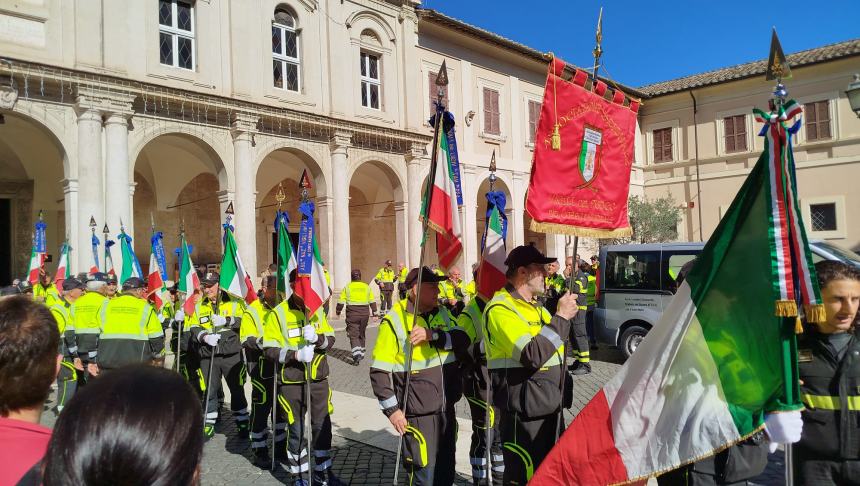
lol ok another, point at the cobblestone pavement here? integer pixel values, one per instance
(227, 460)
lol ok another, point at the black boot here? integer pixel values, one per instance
(262, 459)
(242, 430)
(580, 368)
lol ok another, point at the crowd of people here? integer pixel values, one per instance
(438, 343)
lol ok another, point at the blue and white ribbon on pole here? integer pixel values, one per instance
(495, 199)
(40, 242)
(450, 135)
(305, 251)
(95, 244)
(158, 248)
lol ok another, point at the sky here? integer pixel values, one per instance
(650, 41)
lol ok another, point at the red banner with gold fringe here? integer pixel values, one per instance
(583, 156)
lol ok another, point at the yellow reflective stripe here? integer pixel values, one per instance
(315, 364)
(482, 404)
(330, 404)
(70, 366)
(202, 380)
(286, 405)
(262, 389)
(524, 455)
(116, 335)
(823, 402)
(475, 314)
(422, 443)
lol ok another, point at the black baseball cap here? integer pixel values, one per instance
(525, 255)
(99, 277)
(427, 276)
(210, 278)
(133, 283)
(112, 279)
(72, 283)
(356, 274)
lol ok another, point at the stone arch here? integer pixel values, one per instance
(391, 169)
(312, 158)
(215, 144)
(364, 19)
(34, 174)
(482, 183)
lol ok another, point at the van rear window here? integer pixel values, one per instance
(633, 270)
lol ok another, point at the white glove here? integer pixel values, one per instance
(180, 315)
(783, 428)
(305, 354)
(282, 355)
(309, 333)
(212, 339)
(218, 321)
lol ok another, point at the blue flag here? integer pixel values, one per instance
(305, 251)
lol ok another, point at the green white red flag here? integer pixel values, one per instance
(311, 284)
(440, 206)
(722, 356)
(63, 270)
(155, 287)
(234, 279)
(491, 271)
(130, 265)
(189, 281)
(286, 255)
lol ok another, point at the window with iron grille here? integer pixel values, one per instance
(735, 133)
(817, 116)
(176, 33)
(823, 216)
(286, 67)
(492, 114)
(662, 141)
(371, 83)
(534, 116)
(434, 93)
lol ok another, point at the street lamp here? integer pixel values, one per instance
(853, 93)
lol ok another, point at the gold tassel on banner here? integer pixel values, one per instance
(556, 135)
(556, 138)
(815, 313)
(786, 308)
(798, 326)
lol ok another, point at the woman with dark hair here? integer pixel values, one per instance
(139, 425)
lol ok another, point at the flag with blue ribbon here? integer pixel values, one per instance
(157, 241)
(40, 242)
(497, 200)
(108, 257)
(449, 133)
(305, 251)
(95, 244)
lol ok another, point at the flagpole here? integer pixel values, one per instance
(279, 197)
(106, 232)
(487, 422)
(94, 250)
(441, 82)
(180, 325)
(307, 414)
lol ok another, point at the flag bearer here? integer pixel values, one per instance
(429, 441)
(579, 332)
(262, 374)
(216, 331)
(44, 290)
(299, 346)
(360, 303)
(829, 365)
(85, 313)
(525, 356)
(130, 331)
(67, 377)
(385, 279)
(475, 376)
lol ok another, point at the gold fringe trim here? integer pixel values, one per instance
(566, 229)
(697, 459)
(798, 326)
(786, 308)
(556, 137)
(815, 313)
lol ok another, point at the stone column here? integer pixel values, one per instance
(117, 200)
(342, 261)
(91, 196)
(414, 159)
(242, 127)
(81, 257)
(401, 231)
(471, 246)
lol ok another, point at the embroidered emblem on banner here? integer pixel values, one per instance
(589, 156)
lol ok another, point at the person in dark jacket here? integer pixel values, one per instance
(829, 365)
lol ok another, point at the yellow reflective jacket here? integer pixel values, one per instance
(62, 312)
(130, 333)
(200, 323)
(87, 322)
(283, 330)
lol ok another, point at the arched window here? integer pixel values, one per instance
(370, 70)
(286, 67)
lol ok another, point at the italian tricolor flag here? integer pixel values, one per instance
(491, 271)
(286, 255)
(155, 285)
(722, 356)
(189, 282)
(311, 284)
(234, 279)
(63, 270)
(439, 207)
(130, 265)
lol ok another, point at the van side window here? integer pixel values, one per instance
(633, 270)
(673, 263)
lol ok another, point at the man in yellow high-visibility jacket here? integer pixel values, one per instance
(385, 280)
(360, 302)
(525, 356)
(130, 331)
(85, 313)
(67, 378)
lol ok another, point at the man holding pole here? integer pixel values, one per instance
(215, 325)
(422, 421)
(525, 356)
(299, 345)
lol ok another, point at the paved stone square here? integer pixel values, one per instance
(227, 460)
